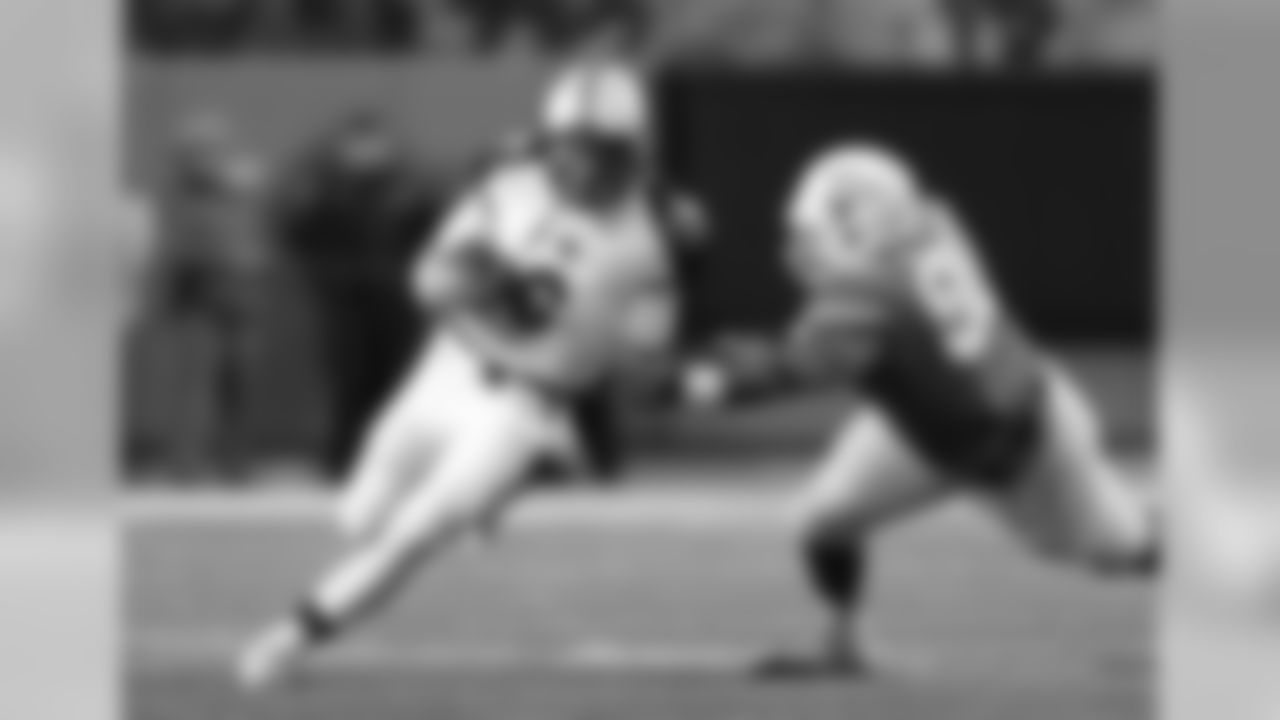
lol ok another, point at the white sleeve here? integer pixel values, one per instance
(468, 225)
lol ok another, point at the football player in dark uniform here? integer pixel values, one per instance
(954, 395)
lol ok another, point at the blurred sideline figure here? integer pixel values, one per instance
(1004, 33)
(351, 212)
(955, 398)
(1108, 33)
(563, 28)
(194, 346)
(553, 275)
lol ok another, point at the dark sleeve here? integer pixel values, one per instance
(831, 341)
(826, 343)
(757, 367)
(688, 233)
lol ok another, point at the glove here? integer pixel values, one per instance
(747, 360)
(704, 386)
(733, 368)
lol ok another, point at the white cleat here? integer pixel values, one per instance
(271, 660)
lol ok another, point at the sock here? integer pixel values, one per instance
(315, 624)
(364, 582)
(836, 568)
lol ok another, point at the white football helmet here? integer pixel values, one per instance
(849, 203)
(606, 98)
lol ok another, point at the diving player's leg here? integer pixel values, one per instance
(870, 479)
(1076, 504)
(479, 469)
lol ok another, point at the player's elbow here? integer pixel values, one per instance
(441, 288)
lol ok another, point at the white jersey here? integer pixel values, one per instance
(614, 271)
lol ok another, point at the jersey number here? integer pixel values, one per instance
(956, 298)
(553, 250)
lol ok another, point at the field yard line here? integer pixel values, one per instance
(668, 507)
(158, 648)
(167, 649)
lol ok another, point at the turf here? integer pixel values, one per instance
(647, 603)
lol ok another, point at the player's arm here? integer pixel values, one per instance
(737, 370)
(458, 265)
(464, 273)
(464, 281)
(687, 228)
(826, 344)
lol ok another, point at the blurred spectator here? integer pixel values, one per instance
(185, 26)
(358, 24)
(189, 25)
(966, 33)
(733, 31)
(353, 211)
(881, 33)
(490, 21)
(195, 343)
(807, 32)
(557, 26)
(572, 25)
(1108, 33)
(1004, 33)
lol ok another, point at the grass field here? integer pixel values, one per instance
(647, 603)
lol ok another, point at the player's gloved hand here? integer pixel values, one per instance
(704, 385)
(736, 367)
(748, 359)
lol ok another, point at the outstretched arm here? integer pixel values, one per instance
(827, 344)
(740, 369)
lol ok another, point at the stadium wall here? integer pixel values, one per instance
(1056, 175)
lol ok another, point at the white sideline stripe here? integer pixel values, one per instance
(675, 509)
(161, 649)
(154, 650)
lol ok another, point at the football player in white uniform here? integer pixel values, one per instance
(554, 275)
(955, 396)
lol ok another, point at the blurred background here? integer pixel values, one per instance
(288, 157)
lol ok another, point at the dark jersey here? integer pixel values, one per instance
(921, 334)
